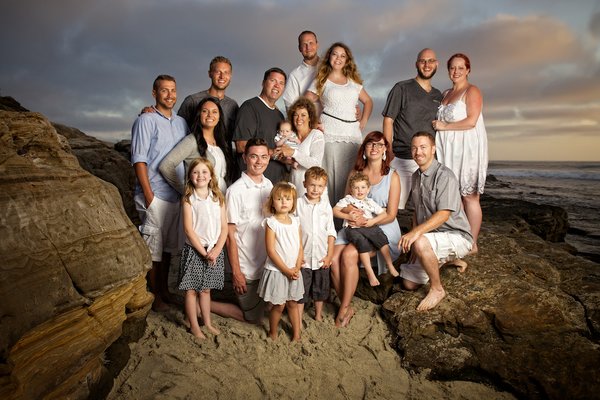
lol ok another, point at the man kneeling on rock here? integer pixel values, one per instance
(441, 234)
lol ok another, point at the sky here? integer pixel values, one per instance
(91, 64)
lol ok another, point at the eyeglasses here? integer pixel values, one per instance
(378, 146)
(428, 61)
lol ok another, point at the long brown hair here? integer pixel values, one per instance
(361, 163)
(350, 70)
(219, 134)
(213, 185)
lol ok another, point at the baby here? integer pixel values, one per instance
(285, 135)
(369, 237)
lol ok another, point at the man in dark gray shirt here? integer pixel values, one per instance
(410, 107)
(259, 117)
(441, 232)
(219, 72)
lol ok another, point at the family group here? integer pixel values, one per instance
(285, 208)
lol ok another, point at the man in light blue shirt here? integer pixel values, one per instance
(153, 135)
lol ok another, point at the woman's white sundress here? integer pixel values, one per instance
(464, 152)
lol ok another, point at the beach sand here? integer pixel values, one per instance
(356, 362)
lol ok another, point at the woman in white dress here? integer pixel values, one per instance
(461, 140)
(207, 139)
(309, 152)
(338, 87)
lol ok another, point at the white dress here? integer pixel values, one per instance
(464, 152)
(274, 287)
(341, 131)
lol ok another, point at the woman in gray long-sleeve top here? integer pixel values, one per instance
(207, 139)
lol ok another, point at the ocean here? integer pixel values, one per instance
(574, 186)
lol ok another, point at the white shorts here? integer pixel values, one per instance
(447, 246)
(405, 170)
(161, 226)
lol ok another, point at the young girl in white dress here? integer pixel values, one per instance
(202, 260)
(281, 283)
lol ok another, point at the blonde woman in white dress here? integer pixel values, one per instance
(338, 88)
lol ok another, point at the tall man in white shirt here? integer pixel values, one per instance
(302, 76)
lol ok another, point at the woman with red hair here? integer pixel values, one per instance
(461, 139)
(373, 160)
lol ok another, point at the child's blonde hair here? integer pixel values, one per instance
(358, 177)
(285, 189)
(213, 185)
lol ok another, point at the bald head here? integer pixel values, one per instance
(426, 64)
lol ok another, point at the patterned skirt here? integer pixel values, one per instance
(195, 273)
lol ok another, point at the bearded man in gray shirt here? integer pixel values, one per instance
(441, 234)
(410, 107)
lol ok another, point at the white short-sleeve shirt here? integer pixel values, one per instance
(245, 200)
(287, 242)
(206, 220)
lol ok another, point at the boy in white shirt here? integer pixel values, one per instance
(318, 237)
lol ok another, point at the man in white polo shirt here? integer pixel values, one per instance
(246, 239)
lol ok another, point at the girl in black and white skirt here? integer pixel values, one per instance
(205, 226)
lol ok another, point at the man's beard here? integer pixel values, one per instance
(426, 77)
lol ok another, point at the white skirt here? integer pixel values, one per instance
(276, 288)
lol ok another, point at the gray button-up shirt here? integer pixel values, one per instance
(437, 189)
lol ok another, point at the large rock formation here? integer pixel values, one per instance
(73, 265)
(525, 315)
(101, 160)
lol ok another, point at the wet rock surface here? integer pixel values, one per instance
(524, 316)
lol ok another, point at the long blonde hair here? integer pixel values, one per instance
(350, 70)
(213, 185)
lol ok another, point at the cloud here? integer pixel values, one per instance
(91, 64)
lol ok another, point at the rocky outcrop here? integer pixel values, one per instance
(524, 316)
(96, 157)
(73, 265)
(101, 159)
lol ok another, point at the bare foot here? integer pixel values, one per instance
(198, 333)
(296, 338)
(393, 271)
(339, 319)
(213, 330)
(319, 318)
(273, 336)
(461, 265)
(474, 249)
(348, 317)
(432, 299)
(373, 281)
